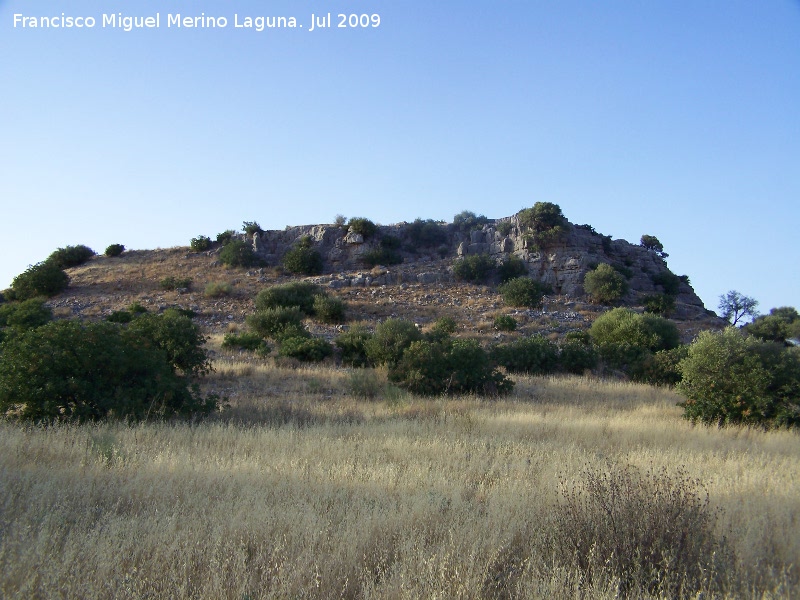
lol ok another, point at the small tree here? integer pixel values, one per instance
(201, 243)
(363, 226)
(114, 250)
(238, 253)
(523, 292)
(251, 227)
(474, 268)
(42, 279)
(651, 242)
(735, 307)
(390, 340)
(605, 285)
(780, 325)
(71, 256)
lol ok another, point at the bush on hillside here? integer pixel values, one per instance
(523, 292)
(390, 340)
(42, 279)
(668, 281)
(173, 283)
(327, 309)
(448, 367)
(238, 253)
(425, 234)
(545, 221)
(278, 323)
(534, 355)
(474, 268)
(381, 256)
(297, 293)
(505, 323)
(246, 341)
(226, 237)
(467, 220)
(251, 227)
(353, 346)
(68, 370)
(729, 377)
(114, 250)
(605, 285)
(305, 348)
(177, 336)
(24, 315)
(780, 325)
(217, 289)
(511, 268)
(201, 243)
(303, 260)
(576, 356)
(71, 256)
(363, 226)
(662, 367)
(659, 304)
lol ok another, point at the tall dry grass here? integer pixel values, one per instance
(302, 491)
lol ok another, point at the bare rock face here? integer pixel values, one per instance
(562, 263)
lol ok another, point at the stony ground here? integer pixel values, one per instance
(104, 285)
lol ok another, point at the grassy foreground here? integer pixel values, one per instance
(301, 491)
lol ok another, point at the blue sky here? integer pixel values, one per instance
(678, 119)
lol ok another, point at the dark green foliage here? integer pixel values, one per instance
(668, 281)
(174, 283)
(298, 293)
(238, 253)
(353, 346)
(576, 356)
(448, 367)
(339, 220)
(201, 243)
(512, 267)
(625, 339)
(327, 309)
(226, 237)
(306, 349)
(389, 341)
(651, 243)
(650, 534)
(474, 268)
(67, 370)
(71, 256)
(626, 272)
(42, 279)
(177, 336)
(587, 227)
(246, 341)
(251, 227)
(217, 289)
(278, 323)
(729, 377)
(391, 242)
(114, 250)
(780, 325)
(442, 329)
(734, 307)
(381, 256)
(663, 367)
(505, 323)
(426, 233)
(659, 304)
(535, 355)
(363, 226)
(604, 285)
(605, 240)
(24, 315)
(303, 260)
(546, 221)
(137, 309)
(467, 220)
(504, 227)
(120, 316)
(523, 292)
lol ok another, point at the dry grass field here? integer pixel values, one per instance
(303, 489)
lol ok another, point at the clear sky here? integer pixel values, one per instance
(679, 119)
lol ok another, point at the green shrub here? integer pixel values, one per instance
(546, 221)
(663, 367)
(246, 341)
(467, 220)
(668, 281)
(604, 284)
(457, 367)
(177, 336)
(24, 315)
(114, 250)
(389, 341)
(474, 268)
(174, 283)
(511, 268)
(42, 279)
(277, 323)
(505, 323)
(576, 356)
(297, 293)
(363, 226)
(425, 234)
(303, 260)
(306, 349)
(137, 309)
(226, 237)
(504, 227)
(523, 292)
(652, 243)
(353, 346)
(251, 227)
(68, 370)
(535, 355)
(71, 256)
(381, 256)
(659, 304)
(327, 309)
(442, 329)
(340, 220)
(201, 243)
(120, 316)
(238, 253)
(649, 535)
(780, 325)
(625, 339)
(729, 377)
(217, 289)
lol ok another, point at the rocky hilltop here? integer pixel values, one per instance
(424, 252)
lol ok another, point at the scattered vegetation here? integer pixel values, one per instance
(42, 279)
(533, 355)
(251, 227)
(605, 285)
(651, 242)
(246, 341)
(201, 243)
(305, 348)
(505, 323)
(71, 256)
(226, 237)
(545, 221)
(217, 289)
(467, 221)
(174, 283)
(780, 325)
(524, 292)
(114, 250)
(362, 226)
(238, 253)
(474, 268)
